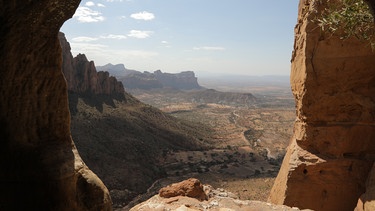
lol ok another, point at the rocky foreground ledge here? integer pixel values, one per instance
(191, 194)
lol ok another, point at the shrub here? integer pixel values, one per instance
(348, 18)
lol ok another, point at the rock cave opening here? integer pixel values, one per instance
(333, 82)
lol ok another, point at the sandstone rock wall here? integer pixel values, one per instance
(332, 149)
(40, 167)
(82, 77)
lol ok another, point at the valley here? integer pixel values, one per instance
(228, 132)
(249, 139)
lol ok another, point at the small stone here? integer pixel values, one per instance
(214, 203)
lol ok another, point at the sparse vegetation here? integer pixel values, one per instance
(348, 18)
(122, 143)
(235, 158)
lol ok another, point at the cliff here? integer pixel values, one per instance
(83, 80)
(40, 166)
(82, 77)
(331, 152)
(141, 81)
(133, 79)
(183, 80)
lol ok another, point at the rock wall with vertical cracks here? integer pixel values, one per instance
(40, 167)
(333, 146)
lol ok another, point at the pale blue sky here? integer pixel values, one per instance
(251, 37)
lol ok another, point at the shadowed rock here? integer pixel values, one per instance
(83, 80)
(40, 167)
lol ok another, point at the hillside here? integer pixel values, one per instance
(202, 96)
(123, 143)
(120, 138)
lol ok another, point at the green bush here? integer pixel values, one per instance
(347, 19)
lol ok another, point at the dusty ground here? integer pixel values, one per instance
(250, 142)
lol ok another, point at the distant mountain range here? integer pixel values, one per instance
(133, 79)
(117, 70)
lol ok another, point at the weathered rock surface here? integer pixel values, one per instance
(82, 77)
(216, 200)
(191, 188)
(40, 167)
(84, 81)
(366, 201)
(332, 149)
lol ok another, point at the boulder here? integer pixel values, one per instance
(191, 188)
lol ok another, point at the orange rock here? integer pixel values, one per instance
(329, 158)
(191, 187)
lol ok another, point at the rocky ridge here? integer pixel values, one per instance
(143, 81)
(133, 79)
(82, 77)
(184, 80)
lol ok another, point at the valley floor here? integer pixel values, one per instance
(250, 142)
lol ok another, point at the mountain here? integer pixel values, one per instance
(133, 79)
(117, 70)
(120, 138)
(185, 80)
(85, 82)
(142, 81)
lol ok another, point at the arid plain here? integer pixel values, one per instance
(250, 138)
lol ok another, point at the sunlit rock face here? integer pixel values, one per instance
(333, 146)
(40, 167)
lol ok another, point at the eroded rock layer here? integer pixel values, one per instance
(331, 152)
(40, 167)
(82, 76)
